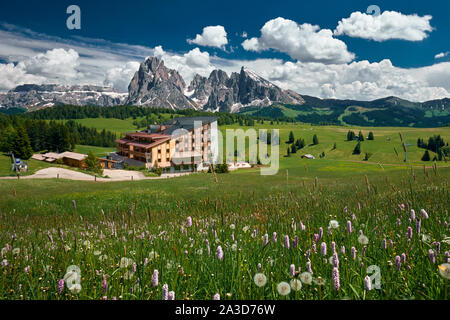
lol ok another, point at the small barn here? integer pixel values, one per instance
(308, 156)
(73, 159)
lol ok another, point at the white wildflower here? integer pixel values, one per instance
(333, 224)
(296, 284)
(125, 262)
(306, 278)
(284, 288)
(363, 239)
(260, 279)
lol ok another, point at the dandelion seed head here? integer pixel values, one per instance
(362, 239)
(283, 288)
(260, 280)
(296, 284)
(306, 277)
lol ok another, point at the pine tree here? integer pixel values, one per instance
(371, 137)
(426, 156)
(291, 137)
(360, 136)
(288, 152)
(293, 148)
(315, 140)
(357, 149)
(20, 144)
(93, 164)
(350, 135)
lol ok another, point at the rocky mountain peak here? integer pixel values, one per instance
(220, 92)
(218, 77)
(158, 86)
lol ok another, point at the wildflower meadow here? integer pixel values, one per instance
(348, 239)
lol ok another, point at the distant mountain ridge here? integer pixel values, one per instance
(156, 85)
(33, 96)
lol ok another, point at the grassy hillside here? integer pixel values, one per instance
(389, 111)
(382, 148)
(98, 151)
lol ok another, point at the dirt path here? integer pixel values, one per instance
(114, 175)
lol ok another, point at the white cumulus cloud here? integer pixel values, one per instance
(306, 42)
(11, 76)
(196, 58)
(120, 77)
(212, 36)
(360, 80)
(386, 26)
(53, 66)
(56, 63)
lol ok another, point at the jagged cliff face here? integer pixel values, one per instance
(158, 86)
(32, 96)
(219, 92)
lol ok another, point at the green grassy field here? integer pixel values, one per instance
(33, 166)
(382, 148)
(98, 151)
(115, 125)
(118, 232)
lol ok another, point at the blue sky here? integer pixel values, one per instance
(128, 31)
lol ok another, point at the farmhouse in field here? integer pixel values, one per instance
(238, 165)
(182, 142)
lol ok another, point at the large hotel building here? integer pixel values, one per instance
(181, 141)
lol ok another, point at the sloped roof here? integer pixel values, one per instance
(186, 123)
(73, 155)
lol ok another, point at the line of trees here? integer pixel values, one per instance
(352, 136)
(24, 136)
(435, 144)
(151, 115)
(298, 144)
